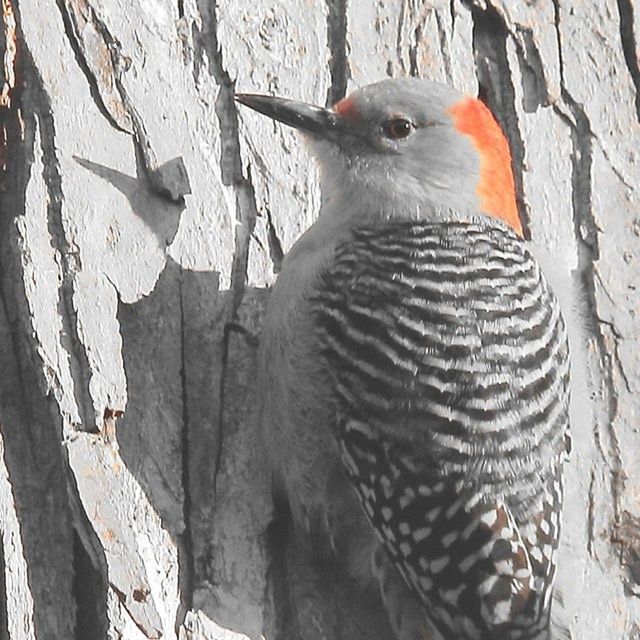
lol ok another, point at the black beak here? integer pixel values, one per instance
(299, 115)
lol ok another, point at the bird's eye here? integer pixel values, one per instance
(397, 128)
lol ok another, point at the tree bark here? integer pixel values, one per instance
(142, 219)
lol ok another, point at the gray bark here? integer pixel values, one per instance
(142, 218)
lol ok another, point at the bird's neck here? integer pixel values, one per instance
(348, 202)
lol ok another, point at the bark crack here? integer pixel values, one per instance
(337, 43)
(496, 89)
(36, 463)
(444, 44)
(586, 232)
(616, 335)
(68, 252)
(591, 515)
(414, 71)
(90, 593)
(276, 252)
(169, 181)
(187, 575)
(627, 536)
(401, 19)
(206, 44)
(534, 84)
(70, 30)
(206, 41)
(629, 48)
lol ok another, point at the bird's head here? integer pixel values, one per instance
(408, 148)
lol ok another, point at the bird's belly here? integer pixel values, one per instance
(297, 426)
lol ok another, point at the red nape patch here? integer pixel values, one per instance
(496, 188)
(346, 108)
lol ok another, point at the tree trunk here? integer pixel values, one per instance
(142, 218)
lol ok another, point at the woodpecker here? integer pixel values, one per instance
(414, 366)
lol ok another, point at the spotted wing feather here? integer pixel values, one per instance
(463, 553)
(449, 358)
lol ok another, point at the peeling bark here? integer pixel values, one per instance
(142, 219)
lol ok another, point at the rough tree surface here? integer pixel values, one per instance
(142, 219)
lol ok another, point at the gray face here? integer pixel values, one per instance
(394, 116)
(397, 139)
(390, 147)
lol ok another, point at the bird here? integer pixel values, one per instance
(413, 379)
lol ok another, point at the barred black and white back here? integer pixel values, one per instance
(450, 363)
